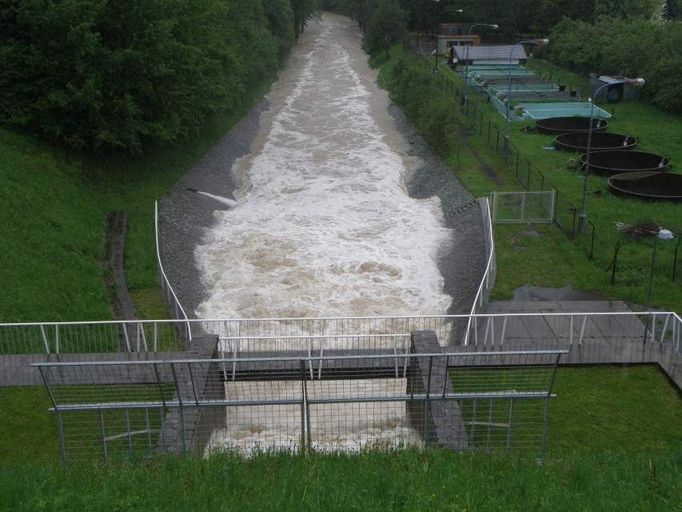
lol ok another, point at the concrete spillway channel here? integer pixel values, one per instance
(341, 209)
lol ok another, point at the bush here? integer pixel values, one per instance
(424, 102)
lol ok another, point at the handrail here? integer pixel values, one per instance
(279, 359)
(333, 318)
(485, 281)
(169, 294)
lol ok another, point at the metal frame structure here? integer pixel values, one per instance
(458, 400)
(275, 334)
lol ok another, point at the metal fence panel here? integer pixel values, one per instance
(463, 401)
(523, 207)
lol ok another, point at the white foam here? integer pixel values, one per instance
(324, 226)
(336, 427)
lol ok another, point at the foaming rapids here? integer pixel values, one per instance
(324, 226)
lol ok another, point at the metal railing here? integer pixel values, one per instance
(172, 300)
(488, 280)
(93, 337)
(574, 330)
(494, 401)
(281, 334)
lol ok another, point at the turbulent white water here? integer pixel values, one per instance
(324, 226)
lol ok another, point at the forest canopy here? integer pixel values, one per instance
(122, 74)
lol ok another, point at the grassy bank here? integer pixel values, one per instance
(544, 255)
(53, 205)
(631, 410)
(407, 480)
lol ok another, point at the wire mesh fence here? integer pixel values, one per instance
(493, 401)
(523, 207)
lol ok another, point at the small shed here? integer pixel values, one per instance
(616, 91)
(455, 34)
(491, 54)
(445, 42)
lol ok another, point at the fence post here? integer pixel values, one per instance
(60, 434)
(650, 291)
(497, 139)
(594, 228)
(178, 390)
(305, 417)
(574, 210)
(675, 259)
(102, 432)
(556, 206)
(528, 177)
(614, 262)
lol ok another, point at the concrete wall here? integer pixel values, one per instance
(439, 422)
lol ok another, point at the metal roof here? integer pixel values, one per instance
(498, 52)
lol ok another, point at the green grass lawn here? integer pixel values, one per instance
(619, 409)
(409, 480)
(615, 443)
(53, 205)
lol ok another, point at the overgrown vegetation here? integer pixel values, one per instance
(631, 47)
(121, 75)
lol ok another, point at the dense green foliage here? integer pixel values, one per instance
(122, 74)
(385, 26)
(516, 18)
(632, 47)
(425, 103)
(523, 17)
(537, 17)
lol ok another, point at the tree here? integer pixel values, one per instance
(280, 16)
(666, 11)
(386, 25)
(625, 8)
(125, 74)
(303, 9)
